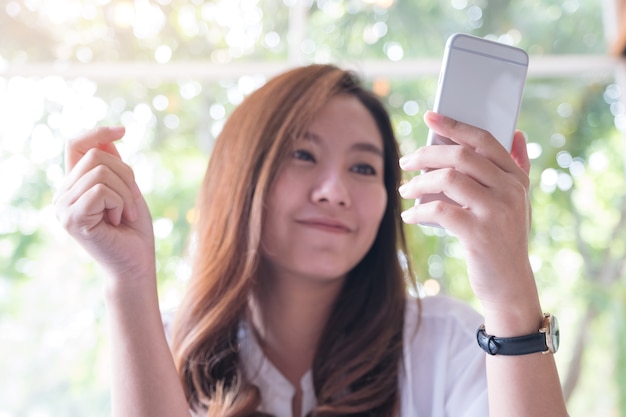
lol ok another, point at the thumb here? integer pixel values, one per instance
(101, 138)
(519, 153)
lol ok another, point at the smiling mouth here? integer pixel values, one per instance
(326, 226)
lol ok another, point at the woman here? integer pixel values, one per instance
(298, 301)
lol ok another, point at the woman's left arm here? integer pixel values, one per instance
(492, 222)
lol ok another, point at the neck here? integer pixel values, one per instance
(290, 315)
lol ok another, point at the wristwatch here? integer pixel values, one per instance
(545, 341)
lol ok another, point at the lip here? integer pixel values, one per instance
(327, 225)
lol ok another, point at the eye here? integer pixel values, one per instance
(303, 155)
(364, 169)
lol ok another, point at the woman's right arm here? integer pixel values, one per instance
(100, 205)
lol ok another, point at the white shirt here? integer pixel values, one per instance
(442, 373)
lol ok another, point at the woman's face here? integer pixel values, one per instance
(329, 198)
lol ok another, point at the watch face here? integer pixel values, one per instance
(553, 335)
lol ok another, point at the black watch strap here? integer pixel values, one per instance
(512, 346)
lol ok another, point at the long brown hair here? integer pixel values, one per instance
(355, 370)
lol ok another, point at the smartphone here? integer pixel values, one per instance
(480, 83)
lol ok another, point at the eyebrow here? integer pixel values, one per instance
(359, 146)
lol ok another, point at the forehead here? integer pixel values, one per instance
(345, 118)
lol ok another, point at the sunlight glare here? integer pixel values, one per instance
(150, 22)
(21, 105)
(44, 145)
(12, 172)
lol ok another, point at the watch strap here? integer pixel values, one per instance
(511, 346)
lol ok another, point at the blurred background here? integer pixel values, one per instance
(171, 71)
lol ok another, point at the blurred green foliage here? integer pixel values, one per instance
(53, 346)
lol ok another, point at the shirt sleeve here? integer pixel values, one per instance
(443, 371)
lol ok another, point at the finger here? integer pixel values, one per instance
(457, 186)
(483, 143)
(97, 157)
(519, 152)
(475, 138)
(438, 212)
(98, 167)
(459, 158)
(94, 207)
(101, 138)
(103, 175)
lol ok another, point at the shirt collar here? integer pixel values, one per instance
(276, 391)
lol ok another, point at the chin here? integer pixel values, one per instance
(328, 273)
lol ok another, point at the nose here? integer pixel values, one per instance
(331, 188)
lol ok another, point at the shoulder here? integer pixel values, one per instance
(441, 327)
(443, 368)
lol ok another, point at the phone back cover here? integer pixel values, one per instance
(483, 87)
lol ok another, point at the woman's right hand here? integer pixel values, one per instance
(100, 205)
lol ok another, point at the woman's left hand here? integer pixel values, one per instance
(492, 220)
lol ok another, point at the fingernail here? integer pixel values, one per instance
(403, 188)
(407, 215)
(433, 117)
(404, 161)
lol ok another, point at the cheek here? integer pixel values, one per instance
(278, 195)
(373, 207)
(288, 183)
(272, 242)
(278, 207)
